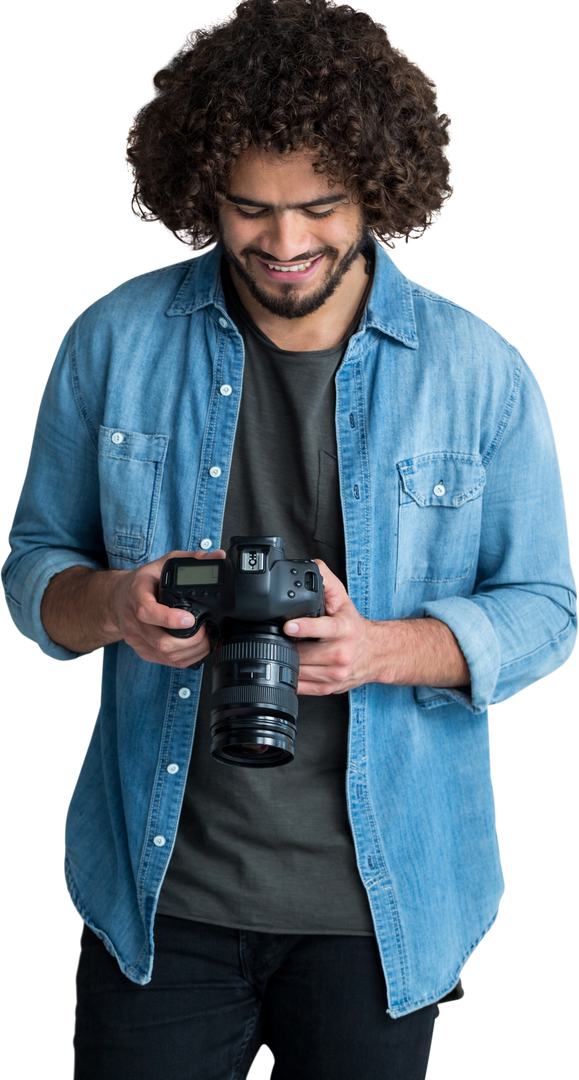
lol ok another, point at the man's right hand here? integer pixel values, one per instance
(143, 622)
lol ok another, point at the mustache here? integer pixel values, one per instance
(308, 256)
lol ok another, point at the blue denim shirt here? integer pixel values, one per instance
(452, 508)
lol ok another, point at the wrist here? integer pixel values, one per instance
(390, 647)
(79, 608)
(416, 652)
(109, 587)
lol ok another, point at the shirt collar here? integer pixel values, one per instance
(389, 308)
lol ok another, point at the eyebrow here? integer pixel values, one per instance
(241, 201)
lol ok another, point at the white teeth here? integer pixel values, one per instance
(290, 269)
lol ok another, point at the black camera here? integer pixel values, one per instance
(244, 600)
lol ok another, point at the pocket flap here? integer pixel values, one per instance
(132, 445)
(442, 479)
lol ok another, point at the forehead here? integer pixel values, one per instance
(259, 173)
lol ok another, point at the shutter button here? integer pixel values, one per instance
(440, 490)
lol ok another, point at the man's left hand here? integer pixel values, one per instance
(341, 656)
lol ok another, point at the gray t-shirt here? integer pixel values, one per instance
(271, 849)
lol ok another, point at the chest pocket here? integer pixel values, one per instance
(439, 516)
(130, 472)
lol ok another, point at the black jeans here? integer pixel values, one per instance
(318, 1002)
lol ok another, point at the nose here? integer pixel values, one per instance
(283, 235)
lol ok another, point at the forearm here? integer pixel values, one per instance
(415, 652)
(78, 608)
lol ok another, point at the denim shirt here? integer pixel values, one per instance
(452, 508)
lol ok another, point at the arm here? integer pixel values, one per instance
(351, 650)
(84, 609)
(517, 626)
(77, 609)
(416, 652)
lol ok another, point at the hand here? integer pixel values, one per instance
(143, 622)
(340, 658)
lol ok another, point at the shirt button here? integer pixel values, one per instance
(440, 490)
(205, 544)
(215, 471)
(223, 322)
(118, 437)
(159, 841)
(226, 390)
(172, 768)
(184, 692)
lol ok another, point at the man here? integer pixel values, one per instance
(381, 430)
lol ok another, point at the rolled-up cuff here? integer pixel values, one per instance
(479, 644)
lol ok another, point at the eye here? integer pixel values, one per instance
(324, 213)
(261, 212)
(245, 214)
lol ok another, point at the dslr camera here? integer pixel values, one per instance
(244, 600)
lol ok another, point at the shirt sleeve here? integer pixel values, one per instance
(57, 522)
(520, 622)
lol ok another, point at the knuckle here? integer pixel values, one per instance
(174, 659)
(141, 610)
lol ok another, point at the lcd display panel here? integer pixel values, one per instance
(198, 575)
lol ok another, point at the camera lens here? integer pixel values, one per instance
(254, 703)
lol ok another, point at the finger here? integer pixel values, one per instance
(335, 593)
(150, 613)
(324, 626)
(164, 649)
(163, 634)
(219, 554)
(167, 642)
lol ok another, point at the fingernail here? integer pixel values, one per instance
(292, 628)
(187, 620)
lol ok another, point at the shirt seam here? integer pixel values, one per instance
(82, 409)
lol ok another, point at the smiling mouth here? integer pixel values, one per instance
(290, 269)
(301, 270)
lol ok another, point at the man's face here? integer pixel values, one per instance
(288, 235)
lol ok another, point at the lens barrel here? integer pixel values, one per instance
(254, 703)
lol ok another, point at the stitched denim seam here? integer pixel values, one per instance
(77, 392)
(545, 645)
(506, 415)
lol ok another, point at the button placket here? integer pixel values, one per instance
(215, 471)
(172, 768)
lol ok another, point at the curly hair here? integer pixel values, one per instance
(287, 75)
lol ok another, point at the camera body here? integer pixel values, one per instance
(244, 600)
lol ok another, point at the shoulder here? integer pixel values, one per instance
(457, 327)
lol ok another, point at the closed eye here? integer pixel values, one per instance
(261, 213)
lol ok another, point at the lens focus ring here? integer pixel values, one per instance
(249, 695)
(257, 650)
